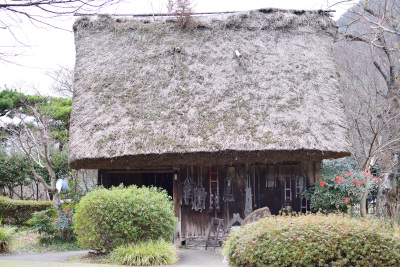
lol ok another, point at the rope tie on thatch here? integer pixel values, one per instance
(237, 53)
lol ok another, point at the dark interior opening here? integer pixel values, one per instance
(161, 180)
(116, 177)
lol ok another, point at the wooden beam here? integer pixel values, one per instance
(176, 198)
(144, 171)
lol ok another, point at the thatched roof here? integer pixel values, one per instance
(149, 93)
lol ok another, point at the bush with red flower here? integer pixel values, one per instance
(337, 193)
(63, 224)
(48, 224)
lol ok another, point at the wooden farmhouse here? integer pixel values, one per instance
(230, 114)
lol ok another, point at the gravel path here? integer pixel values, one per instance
(189, 257)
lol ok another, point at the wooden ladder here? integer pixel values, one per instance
(214, 184)
(218, 226)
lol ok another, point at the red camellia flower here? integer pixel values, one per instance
(322, 183)
(347, 200)
(366, 174)
(339, 179)
(349, 174)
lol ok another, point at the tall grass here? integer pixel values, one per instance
(6, 235)
(146, 253)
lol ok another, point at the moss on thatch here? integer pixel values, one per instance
(145, 89)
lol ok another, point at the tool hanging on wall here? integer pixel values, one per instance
(199, 194)
(187, 192)
(248, 204)
(214, 188)
(228, 189)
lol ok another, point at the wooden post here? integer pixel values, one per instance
(177, 204)
(317, 171)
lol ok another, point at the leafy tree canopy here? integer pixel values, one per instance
(13, 103)
(57, 107)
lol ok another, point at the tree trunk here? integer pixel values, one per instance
(390, 159)
(390, 164)
(12, 193)
(363, 203)
(57, 203)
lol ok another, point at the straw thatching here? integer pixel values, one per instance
(148, 93)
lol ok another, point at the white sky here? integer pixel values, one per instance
(49, 47)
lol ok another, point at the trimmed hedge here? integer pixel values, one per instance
(19, 211)
(107, 218)
(314, 240)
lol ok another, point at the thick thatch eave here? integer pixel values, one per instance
(151, 92)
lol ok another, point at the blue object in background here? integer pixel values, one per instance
(62, 186)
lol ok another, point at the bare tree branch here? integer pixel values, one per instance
(40, 13)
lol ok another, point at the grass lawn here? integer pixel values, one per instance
(27, 242)
(91, 258)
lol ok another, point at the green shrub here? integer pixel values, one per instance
(19, 211)
(314, 240)
(6, 235)
(107, 218)
(47, 223)
(146, 253)
(42, 221)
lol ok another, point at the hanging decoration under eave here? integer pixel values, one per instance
(187, 192)
(228, 189)
(249, 203)
(199, 199)
(199, 192)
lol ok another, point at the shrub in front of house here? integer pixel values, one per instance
(314, 240)
(19, 211)
(145, 253)
(107, 218)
